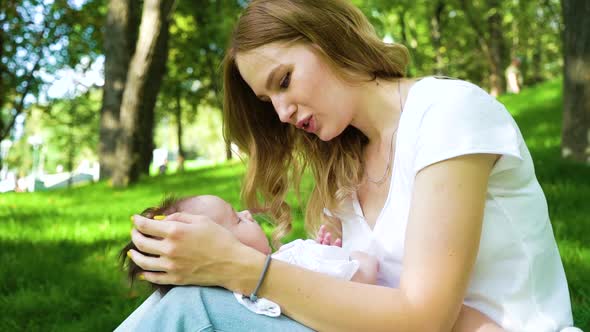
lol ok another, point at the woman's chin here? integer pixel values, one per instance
(326, 137)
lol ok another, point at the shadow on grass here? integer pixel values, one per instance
(54, 285)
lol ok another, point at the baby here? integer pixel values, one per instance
(332, 260)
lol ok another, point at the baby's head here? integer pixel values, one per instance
(241, 224)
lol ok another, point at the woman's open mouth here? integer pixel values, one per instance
(308, 124)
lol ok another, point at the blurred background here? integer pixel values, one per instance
(108, 105)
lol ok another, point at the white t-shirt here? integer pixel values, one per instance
(518, 278)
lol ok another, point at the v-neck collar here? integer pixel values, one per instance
(358, 209)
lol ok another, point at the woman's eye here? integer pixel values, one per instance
(285, 81)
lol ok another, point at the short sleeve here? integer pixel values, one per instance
(466, 120)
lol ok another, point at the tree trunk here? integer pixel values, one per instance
(144, 140)
(491, 42)
(496, 48)
(178, 115)
(436, 34)
(576, 95)
(153, 20)
(119, 43)
(228, 152)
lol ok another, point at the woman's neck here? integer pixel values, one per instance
(378, 111)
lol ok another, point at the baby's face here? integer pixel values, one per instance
(242, 224)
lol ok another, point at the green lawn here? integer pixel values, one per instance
(59, 269)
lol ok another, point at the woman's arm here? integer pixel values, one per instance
(442, 241)
(471, 320)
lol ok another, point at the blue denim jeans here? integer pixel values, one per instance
(202, 309)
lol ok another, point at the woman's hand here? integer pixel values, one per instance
(325, 237)
(189, 250)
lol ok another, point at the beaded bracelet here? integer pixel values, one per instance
(253, 296)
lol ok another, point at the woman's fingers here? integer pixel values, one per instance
(147, 244)
(160, 278)
(147, 263)
(152, 227)
(186, 218)
(338, 243)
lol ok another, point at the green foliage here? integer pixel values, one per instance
(38, 38)
(70, 127)
(59, 249)
(20, 158)
(199, 33)
(530, 30)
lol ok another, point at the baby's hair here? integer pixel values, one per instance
(168, 206)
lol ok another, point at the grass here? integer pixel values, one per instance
(58, 257)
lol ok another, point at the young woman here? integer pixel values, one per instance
(432, 176)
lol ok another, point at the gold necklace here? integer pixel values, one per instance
(388, 168)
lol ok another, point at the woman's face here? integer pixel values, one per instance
(301, 86)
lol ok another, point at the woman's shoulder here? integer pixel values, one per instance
(449, 101)
(444, 88)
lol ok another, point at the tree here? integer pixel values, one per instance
(120, 38)
(576, 74)
(25, 38)
(155, 20)
(490, 35)
(216, 23)
(37, 38)
(198, 35)
(70, 128)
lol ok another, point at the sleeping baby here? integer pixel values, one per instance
(329, 259)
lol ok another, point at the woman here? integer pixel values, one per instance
(432, 176)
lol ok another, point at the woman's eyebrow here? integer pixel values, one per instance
(271, 77)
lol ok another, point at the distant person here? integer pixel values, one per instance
(22, 184)
(163, 167)
(514, 76)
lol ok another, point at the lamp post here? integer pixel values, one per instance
(35, 141)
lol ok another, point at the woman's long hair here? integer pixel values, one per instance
(278, 153)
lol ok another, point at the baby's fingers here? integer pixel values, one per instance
(338, 243)
(321, 234)
(327, 239)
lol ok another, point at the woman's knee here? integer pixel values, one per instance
(196, 308)
(181, 309)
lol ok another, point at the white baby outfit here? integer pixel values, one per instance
(518, 279)
(308, 254)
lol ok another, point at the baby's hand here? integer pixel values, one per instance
(325, 238)
(368, 268)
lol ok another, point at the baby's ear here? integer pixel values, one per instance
(246, 215)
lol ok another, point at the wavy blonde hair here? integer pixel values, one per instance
(278, 153)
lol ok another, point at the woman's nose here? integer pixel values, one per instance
(284, 110)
